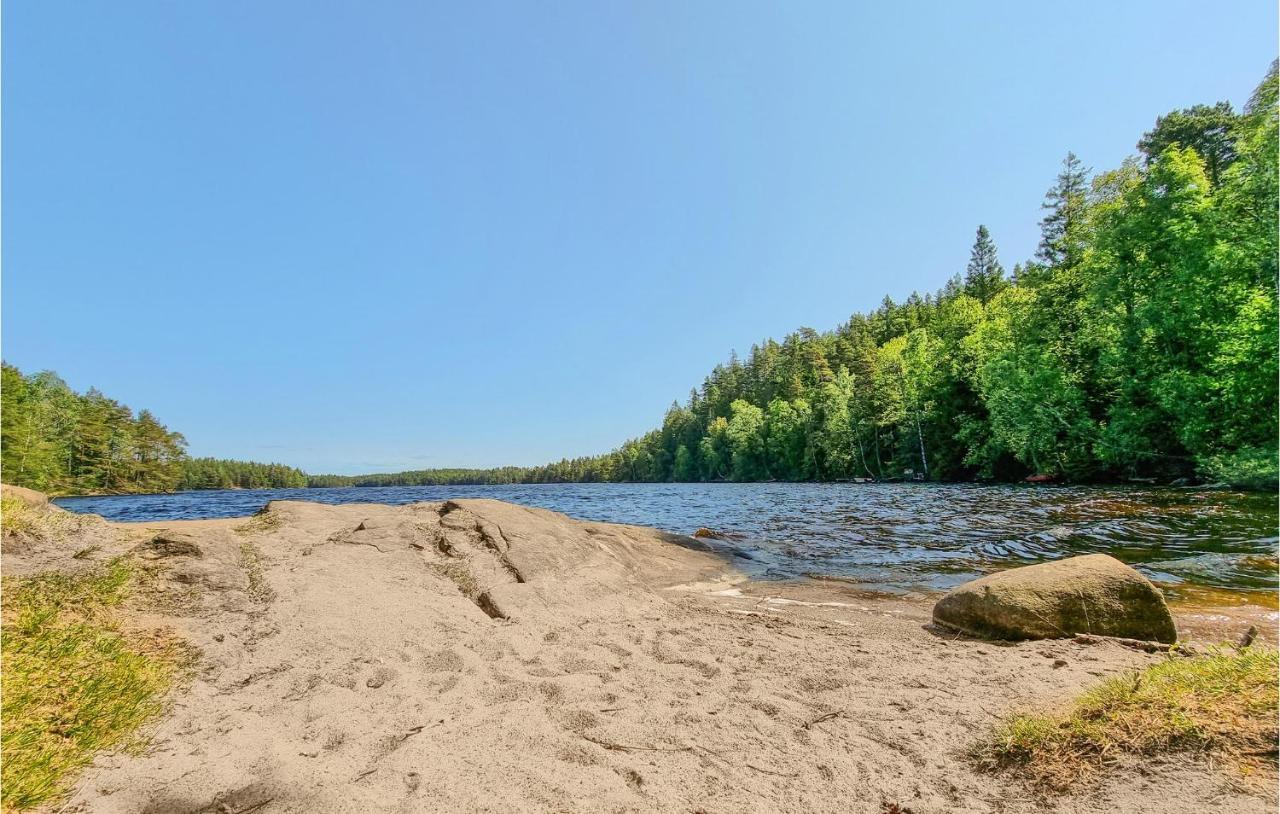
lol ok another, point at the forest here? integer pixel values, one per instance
(221, 473)
(1140, 343)
(62, 442)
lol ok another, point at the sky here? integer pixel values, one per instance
(374, 236)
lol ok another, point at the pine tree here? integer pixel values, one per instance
(1060, 230)
(985, 275)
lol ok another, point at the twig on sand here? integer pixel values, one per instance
(623, 747)
(824, 717)
(255, 806)
(364, 774)
(363, 542)
(775, 774)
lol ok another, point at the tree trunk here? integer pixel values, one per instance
(862, 452)
(879, 465)
(920, 435)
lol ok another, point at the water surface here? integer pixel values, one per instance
(896, 537)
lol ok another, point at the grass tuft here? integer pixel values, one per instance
(21, 519)
(16, 517)
(263, 522)
(73, 683)
(1223, 702)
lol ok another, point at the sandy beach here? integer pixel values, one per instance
(481, 656)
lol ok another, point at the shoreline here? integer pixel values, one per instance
(564, 665)
(1125, 484)
(1187, 591)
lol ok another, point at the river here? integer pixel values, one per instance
(899, 538)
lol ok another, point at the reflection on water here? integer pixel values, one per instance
(897, 537)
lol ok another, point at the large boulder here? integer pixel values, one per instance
(1090, 594)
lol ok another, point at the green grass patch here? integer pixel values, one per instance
(20, 518)
(73, 682)
(1223, 702)
(17, 517)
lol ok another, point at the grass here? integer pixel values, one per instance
(263, 522)
(74, 683)
(1224, 702)
(17, 517)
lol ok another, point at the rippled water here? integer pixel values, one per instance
(898, 537)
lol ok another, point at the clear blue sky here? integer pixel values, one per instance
(376, 236)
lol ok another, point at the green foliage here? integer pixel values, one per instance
(58, 441)
(984, 276)
(18, 517)
(216, 473)
(1209, 130)
(1066, 205)
(61, 442)
(74, 683)
(1247, 468)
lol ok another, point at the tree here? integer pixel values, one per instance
(685, 468)
(1207, 129)
(745, 434)
(714, 451)
(1061, 238)
(787, 438)
(985, 276)
(1036, 409)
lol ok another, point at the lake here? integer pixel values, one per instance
(886, 537)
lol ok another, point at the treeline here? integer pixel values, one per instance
(220, 473)
(430, 477)
(62, 442)
(59, 441)
(1139, 343)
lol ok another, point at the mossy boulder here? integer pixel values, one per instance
(1090, 594)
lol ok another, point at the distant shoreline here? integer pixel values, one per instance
(1223, 487)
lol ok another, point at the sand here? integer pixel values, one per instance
(477, 656)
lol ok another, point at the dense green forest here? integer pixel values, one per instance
(220, 473)
(1139, 343)
(440, 477)
(62, 442)
(58, 441)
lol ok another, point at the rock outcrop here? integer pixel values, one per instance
(1095, 594)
